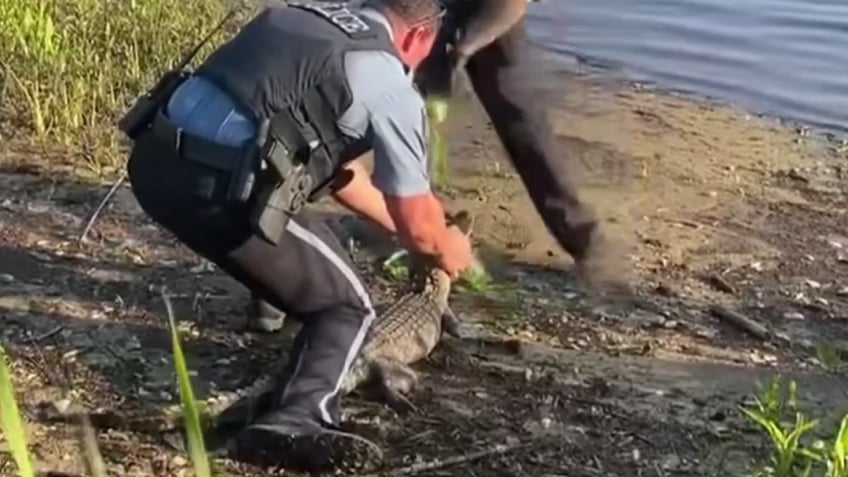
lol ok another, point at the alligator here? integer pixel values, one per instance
(406, 332)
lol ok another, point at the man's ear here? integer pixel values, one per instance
(408, 40)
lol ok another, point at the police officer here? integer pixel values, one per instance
(487, 39)
(273, 117)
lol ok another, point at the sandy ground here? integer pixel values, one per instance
(718, 208)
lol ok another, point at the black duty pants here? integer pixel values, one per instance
(499, 75)
(499, 78)
(308, 274)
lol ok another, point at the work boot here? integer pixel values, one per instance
(264, 317)
(300, 443)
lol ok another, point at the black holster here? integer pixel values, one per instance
(284, 183)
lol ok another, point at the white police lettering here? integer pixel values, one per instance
(337, 13)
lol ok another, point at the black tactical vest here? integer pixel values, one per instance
(286, 65)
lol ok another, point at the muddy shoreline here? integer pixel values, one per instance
(716, 207)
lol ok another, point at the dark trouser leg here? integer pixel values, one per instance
(500, 80)
(307, 275)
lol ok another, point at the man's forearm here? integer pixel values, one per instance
(361, 197)
(420, 222)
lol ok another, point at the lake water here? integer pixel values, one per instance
(787, 58)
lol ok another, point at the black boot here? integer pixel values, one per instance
(302, 429)
(301, 443)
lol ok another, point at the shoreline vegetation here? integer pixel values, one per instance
(71, 67)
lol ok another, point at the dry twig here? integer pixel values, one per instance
(742, 322)
(455, 460)
(100, 207)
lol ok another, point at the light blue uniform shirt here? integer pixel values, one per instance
(387, 111)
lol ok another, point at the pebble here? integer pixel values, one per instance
(843, 291)
(7, 278)
(812, 283)
(671, 462)
(62, 405)
(793, 315)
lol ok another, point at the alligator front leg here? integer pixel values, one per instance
(450, 323)
(394, 381)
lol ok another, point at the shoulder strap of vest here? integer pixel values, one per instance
(340, 15)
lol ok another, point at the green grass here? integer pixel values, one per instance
(474, 279)
(793, 451)
(437, 113)
(10, 420)
(191, 413)
(12, 426)
(71, 67)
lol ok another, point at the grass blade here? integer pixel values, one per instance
(437, 112)
(10, 420)
(88, 443)
(196, 446)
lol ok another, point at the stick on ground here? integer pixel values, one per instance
(742, 322)
(100, 207)
(456, 460)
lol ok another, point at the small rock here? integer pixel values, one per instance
(70, 355)
(793, 315)
(7, 278)
(843, 291)
(670, 324)
(812, 283)
(763, 358)
(41, 256)
(179, 461)
(671, 462)
(62, 405)
(757, 266)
